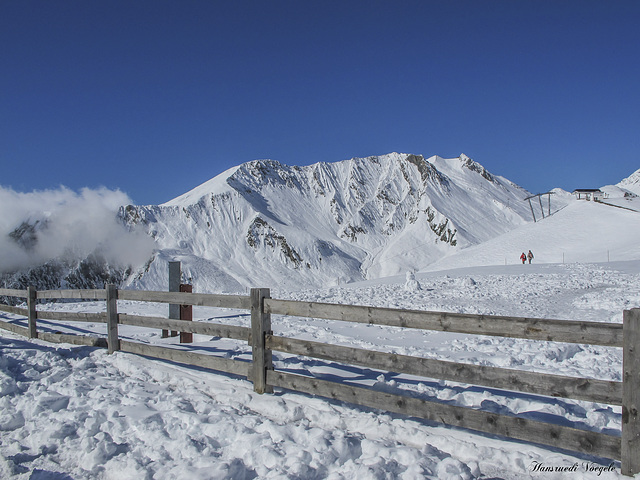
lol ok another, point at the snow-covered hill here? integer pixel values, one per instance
(581, 232)
(265, 223)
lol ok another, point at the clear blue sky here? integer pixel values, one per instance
(156, 97)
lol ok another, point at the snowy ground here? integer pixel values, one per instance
(78, 413)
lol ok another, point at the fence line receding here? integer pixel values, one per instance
(260, 370)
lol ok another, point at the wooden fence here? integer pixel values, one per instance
(261, 372)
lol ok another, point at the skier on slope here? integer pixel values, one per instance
(529, 256)
(523, 257)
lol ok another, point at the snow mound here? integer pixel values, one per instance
(411, 284)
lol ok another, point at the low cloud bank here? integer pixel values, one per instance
(42, 225)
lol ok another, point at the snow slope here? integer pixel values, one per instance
(580, 232)
(631, 183)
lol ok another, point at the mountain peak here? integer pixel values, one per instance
(215, 184)
(467, 162)
(268, 222)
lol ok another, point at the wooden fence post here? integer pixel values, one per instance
(186, 313)
(112, 318)
(260, 326)
(33, 315)
(630, 448)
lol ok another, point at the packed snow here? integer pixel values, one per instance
(77, 412)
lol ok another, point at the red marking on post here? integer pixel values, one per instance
(186, 313)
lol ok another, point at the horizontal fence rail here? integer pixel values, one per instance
(56, 337)
(589, 390)
(72, 294)
(15, 310)
(72, 316)
(214, 329)
(220, 364)
(87, 340)
(593, 333)
(11, 292)
(515, 427)
(12, 327)
(260, 370)
(179, 298)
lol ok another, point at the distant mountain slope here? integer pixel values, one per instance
(631, 183)
(583, 232)
(268, 224)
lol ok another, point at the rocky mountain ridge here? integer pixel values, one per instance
(272, 224)
(264, 223)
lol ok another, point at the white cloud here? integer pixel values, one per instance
(76, 222)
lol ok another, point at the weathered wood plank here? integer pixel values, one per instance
(260, 328)
(112, 318)
(179, 298)
(186, 313)
(24, 331)
(557, 436)
(73, 339)
(631, 393)
(215, 329)
(72, 316)
(175, 277)
(89, 294)
(531, 382)
(220, 364)
(12, 292)
(33, 314)
(570, 331)
(15, 310)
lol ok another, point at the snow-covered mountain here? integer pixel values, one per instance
(265, 223)
(631, 183)
(268, 224)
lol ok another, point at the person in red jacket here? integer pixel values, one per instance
(523, 257)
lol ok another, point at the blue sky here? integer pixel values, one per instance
(156, 97)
